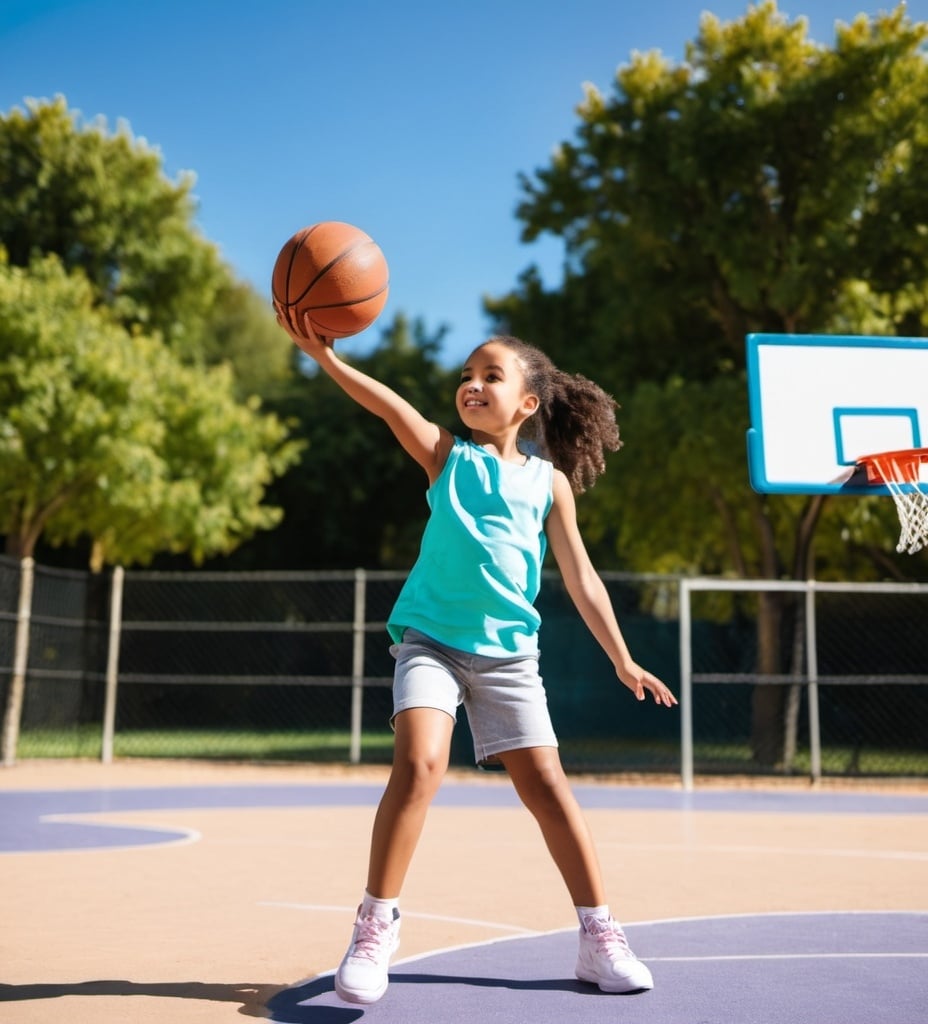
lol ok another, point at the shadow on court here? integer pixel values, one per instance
(303, 1003)
(253, 999)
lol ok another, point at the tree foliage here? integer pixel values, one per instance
(243, 332)
(765, 183)
(101, 202)
(128, 354)
(107, 435)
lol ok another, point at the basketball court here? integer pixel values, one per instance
(150, 891)
(156, 892)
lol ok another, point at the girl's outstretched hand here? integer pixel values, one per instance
(639, 680)
(311, 343)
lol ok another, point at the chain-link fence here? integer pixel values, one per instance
(296, 666)
(849, 695)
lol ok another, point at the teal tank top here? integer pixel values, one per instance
(475, 581)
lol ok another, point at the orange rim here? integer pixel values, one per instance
(901, 466)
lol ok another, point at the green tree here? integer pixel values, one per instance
(106, 434)
(101, 201)
(242, 331)
(766, 183)
(750, 187)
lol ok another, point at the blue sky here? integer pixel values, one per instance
(409, 118)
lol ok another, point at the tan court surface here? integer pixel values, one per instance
(259, 899)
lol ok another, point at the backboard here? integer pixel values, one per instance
(820, 402)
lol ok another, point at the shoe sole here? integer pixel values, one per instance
(615, 989)
(359, 998)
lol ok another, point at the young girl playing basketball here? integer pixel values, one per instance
(465, 630)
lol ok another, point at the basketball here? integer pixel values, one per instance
(334, 272)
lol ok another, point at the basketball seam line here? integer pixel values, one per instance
(351, 302)
(345, 252)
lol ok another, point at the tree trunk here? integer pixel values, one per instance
(18, 546)
(775, 708)
(769, 699)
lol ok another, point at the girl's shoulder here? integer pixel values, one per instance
(561, 490)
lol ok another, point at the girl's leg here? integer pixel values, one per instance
(604, 957)
(420, 758)
(539, 779)
(421, 752)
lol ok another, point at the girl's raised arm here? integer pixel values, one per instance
(425, 441)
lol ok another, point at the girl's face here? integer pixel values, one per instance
(492, 395)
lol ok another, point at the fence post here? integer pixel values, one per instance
(357, 663)
(815, 738)
(686, 688)
(112, 666)
(14, 705)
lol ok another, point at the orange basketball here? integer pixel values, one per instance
(335, 273)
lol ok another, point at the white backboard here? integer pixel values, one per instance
(820, 402)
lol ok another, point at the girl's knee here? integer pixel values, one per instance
(417, 777)
(541, 783)
(422, 750)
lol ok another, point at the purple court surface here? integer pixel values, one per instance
(37, 820)
(769, 969)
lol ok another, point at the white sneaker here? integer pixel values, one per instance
(606, 960)
(362, 974)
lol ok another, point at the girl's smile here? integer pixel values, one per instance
(492, 379)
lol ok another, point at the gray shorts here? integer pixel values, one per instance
(504, 697)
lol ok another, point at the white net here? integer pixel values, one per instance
(906, 480)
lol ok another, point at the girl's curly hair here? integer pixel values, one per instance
(575, 423)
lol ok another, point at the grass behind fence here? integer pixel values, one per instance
(376, 748)
(209, 744)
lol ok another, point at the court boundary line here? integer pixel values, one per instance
(186, 837)
(786, 956)
(412, 914)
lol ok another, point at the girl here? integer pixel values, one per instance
(465, 630)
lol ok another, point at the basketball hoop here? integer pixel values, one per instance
(905, 474)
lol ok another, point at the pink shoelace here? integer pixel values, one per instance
(371, 940)
(610, 939)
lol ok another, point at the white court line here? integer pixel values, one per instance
(475, 922)
(187, 835)
(786, 956)
(748, 914)
(777, 851)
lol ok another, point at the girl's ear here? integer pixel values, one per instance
(530, 404)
